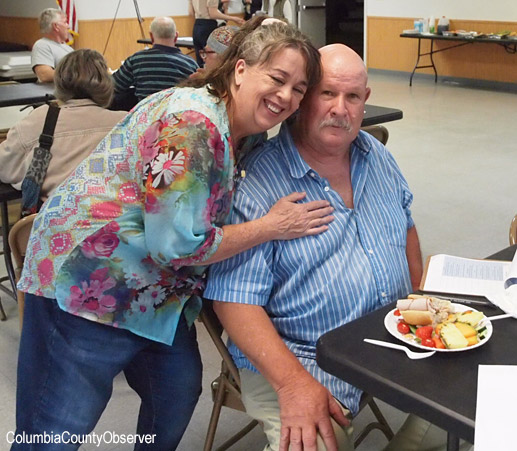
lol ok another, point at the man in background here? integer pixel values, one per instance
(48, 51)
(149, 71)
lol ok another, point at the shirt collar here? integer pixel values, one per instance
(297, 165)
(166, 48)
(78, 102)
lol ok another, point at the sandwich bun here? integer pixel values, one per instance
(417, 317)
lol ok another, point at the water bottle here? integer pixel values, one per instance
(431, 25)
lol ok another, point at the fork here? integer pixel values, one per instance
(411, 354)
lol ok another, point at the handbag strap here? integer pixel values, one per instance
(47, 135)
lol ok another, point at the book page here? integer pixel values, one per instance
(449, 274)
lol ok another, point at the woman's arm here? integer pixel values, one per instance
(285, 221)
(214, 13)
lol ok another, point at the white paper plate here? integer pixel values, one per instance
(391, 321)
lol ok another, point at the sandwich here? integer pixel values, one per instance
(420, 310)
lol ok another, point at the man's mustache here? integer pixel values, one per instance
(335, 122)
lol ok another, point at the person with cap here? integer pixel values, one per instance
(216, 44)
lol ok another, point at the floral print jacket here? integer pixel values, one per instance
(116, 241)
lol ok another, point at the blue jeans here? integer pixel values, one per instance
(66, 367)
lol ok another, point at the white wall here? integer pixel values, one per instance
(104, 9)
(502, 10)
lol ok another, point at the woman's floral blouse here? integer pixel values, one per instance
(116, 241)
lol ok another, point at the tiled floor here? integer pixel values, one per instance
(458, 150)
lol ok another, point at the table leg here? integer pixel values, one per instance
(7, 249)
(416, 64)
(453, 442)
(432, 62)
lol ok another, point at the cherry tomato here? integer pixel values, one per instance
(429, 342)
(403, 328)
(396, 312)
(424, 332)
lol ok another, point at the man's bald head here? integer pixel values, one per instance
(339, 57)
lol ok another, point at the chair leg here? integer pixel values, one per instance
(380, 424)
(384, 426)
(21, 305)
(232, 440)
(3, 316)
(214, 417)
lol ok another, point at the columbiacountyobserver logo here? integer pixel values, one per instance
(108, 437)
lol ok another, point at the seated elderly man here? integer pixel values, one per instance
(161, 67)
(51, 48)
(276, 299)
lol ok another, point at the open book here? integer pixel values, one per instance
(457, 275)
(495, 280)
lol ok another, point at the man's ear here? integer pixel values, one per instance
(176, 37)
(368, 92)
(240, 70)
(152, 37)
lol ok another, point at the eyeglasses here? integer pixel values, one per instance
(204, 53)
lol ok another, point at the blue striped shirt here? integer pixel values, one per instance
(153, 70)
(311, 285)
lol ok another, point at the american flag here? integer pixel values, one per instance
(68, 7)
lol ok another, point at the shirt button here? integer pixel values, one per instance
(312, 174)
(370, 251)
(383, 294)
(326, 188)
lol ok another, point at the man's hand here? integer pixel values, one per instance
(305, 411)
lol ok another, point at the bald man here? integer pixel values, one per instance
(148, 71)
(277, 299)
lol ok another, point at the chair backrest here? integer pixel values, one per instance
(378, 131)
(513, 231)
(18, 239)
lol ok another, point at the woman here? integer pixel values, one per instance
(84, 89)
(124, 240)
(206, 14)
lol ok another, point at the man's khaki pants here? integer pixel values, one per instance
(261, 403)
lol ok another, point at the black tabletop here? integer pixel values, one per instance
(379, 114)
(441, 389)
(482, 38)
(7, 193)
(25, 93)
(180, 42)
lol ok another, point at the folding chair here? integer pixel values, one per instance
(226, 388)
(18, 239)
(513, 231)
(377, 131)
